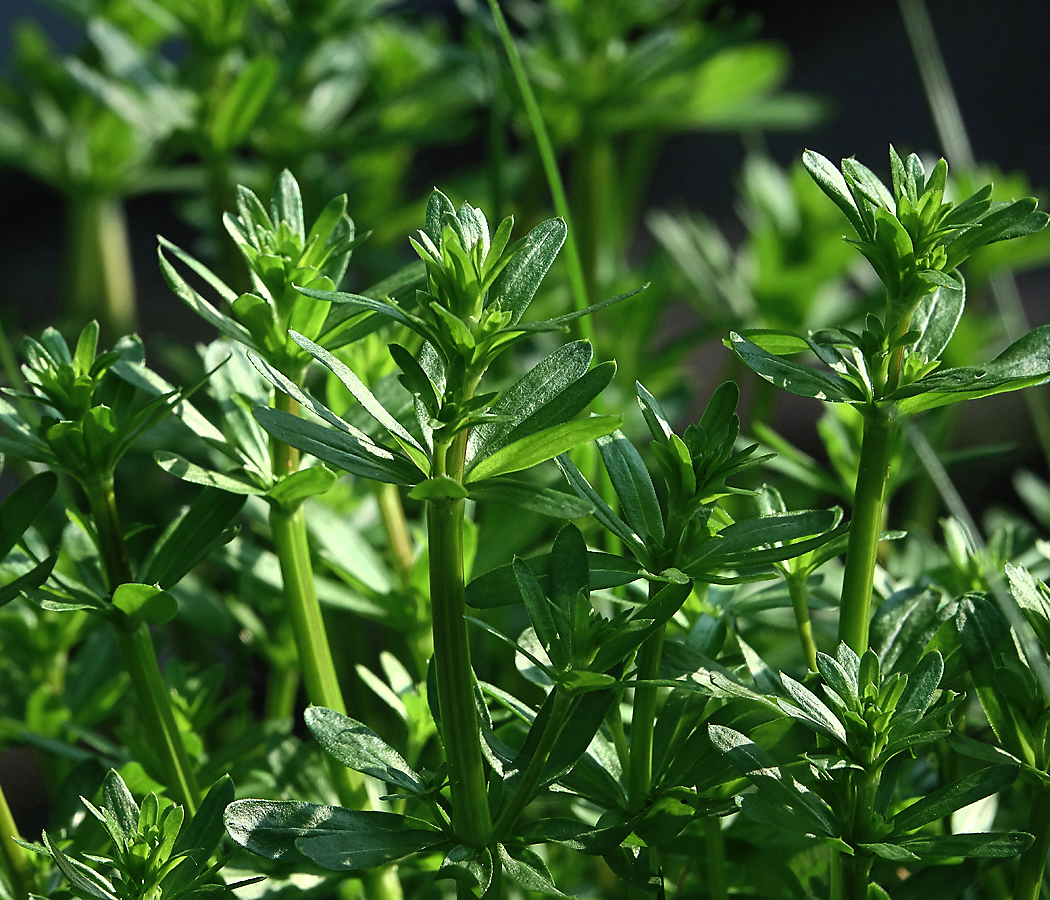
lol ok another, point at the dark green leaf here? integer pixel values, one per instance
(792, 377)
(190, 538)
(634, 488)
(21, 508)
(936, 317)
(997, 845)
(831, 182)
(526, 869)
(344, 451)
(944, 801)
(527, 495)
(359, 748)
(602, 512)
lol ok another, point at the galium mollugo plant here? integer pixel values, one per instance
(915, 240)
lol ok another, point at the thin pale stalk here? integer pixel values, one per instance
(534, 771)
(577, 278)
(100, 276)
(139, 656)
(796, 585)
(15, 856)
(865, 526)
(396, 526)
(856, 869)
(1033, 860)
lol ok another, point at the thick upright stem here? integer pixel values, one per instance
(14, 855)
(714, 844)
(862, 549)
(140, 658)
(643, 719)
(856, 869)
(459, 720)
(101, 281)
(1033, 860)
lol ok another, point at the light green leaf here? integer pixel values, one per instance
(291, 490)
(241, 106)
(542, 445)
(145, 603)
(187, 471)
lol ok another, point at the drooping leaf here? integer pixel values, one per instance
(946, 800)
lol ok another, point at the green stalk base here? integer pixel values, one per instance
(1033, 860)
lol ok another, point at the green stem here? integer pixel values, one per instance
(796, 585)
(1033, 860)
(15, 856)
(577, 279)
(471, 818)
(101, 281)
(714, 844)
(534, 771)
(158, 721)
(862, 549)
(400, 543)
(282, 687)
(856, 869)
(643, 719)
(137, 651)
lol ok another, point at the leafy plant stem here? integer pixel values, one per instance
(281, 688)
(1033, 860)
(534, 771)
(101, 282)
(471, 817)
(715, 847)
(643, 719)
(14, 855)
(796, 586)
(862, 548)
(577, 278)
(112, 550)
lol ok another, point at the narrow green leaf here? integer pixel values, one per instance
(936, 318)
(293, 489)
(829, 179)
(534, 254)
(995, 845)
(22, 507)
(541, 446)
(344, 451)
(359, 748)
(522, 494)
(946, 800)
(187, 471)
(526, 869)
(239, 109)
(602, 512)
(633, 486)
(117, 799)
(792, 377)
(204, 526)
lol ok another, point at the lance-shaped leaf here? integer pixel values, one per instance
(540, 446)
(936, 317)
(946, 800)
(526, 869)
(793, 377)
(498, 587)
(634, 488)
(602, 511)
(830, 180)
(359, 748)
(545, 385)
(21, 508)
(523, 494)
(331, 836)
(533, 255)
(223, 323)
(969, 846)
(1025, 363)
(365, 397)
(186, 471)
(203, 527)
(342, 450)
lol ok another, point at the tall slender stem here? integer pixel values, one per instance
(715, 846)
(396, 526)
(14, 855)
(643, 718)
(1033, 860)
(856, 869)
(577, 279)
(136, 649)
(862, 549)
